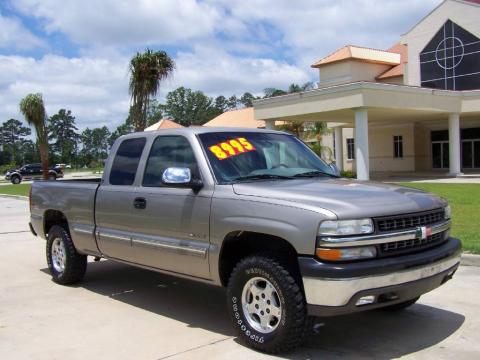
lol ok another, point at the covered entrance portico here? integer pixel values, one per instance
(396, 127)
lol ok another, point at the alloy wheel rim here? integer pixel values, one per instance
(58, 255)
(261, 305)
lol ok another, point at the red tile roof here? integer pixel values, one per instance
(359, 53)
(396, 70)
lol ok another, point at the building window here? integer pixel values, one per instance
(398, 146)
(350, 149)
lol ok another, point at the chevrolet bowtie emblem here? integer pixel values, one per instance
(423, 232)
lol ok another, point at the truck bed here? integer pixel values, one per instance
(75, 199)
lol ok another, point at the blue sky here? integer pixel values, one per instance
(76, 52)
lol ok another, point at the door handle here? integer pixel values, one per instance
(140, 203)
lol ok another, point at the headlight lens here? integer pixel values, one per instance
(447, 212)
(356, 253)
(346, 227)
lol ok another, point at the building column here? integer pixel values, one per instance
(270, 124)
(338, 133)
(361, 144)
(454, 143)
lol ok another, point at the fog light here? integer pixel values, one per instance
(365, 300)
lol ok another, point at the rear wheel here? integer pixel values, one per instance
(266, 305)
(15, 180)
(66, 265)
(402, 305)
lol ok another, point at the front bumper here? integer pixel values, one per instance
(335, 288)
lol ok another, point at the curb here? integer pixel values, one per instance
(18, 197)
(470, 260)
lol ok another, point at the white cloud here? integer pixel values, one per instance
(216, 72)
(122, 23)
(227, 46)
(14, 35)
(96, 89)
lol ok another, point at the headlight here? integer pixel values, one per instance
(345, 227)
(356, 253)
(447, 212)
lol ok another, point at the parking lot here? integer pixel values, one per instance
(120, 312)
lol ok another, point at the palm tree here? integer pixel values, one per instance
(32, 107)
(147, 71)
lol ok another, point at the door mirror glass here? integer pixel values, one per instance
(177, 175)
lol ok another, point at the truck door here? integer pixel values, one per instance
(171, 223)
(115, 216)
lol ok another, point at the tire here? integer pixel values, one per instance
(66, 265)
(15, 180)
(52, 177)
(264, 275)
(401, 306)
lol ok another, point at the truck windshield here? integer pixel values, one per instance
(252, 156)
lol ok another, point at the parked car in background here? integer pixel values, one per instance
(32, 172)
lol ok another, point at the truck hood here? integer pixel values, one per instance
(346, 198)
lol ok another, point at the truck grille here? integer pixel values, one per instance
(398, 247)
(408, 221)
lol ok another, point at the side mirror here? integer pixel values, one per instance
(334, 169)
(181, 176)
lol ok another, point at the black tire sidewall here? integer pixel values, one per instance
(246, 271)
(54, 233)
(14, 180)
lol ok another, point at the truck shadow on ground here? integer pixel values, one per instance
(374, 334)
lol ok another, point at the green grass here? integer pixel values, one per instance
(465, 202)
(20, 189)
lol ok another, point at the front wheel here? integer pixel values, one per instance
(66, 265)
(266, 305)
(52, 177)
(15, 180)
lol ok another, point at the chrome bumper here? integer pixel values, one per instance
(338, 292)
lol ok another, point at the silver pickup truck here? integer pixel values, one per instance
(255, 211)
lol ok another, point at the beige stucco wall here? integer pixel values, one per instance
(381, 148)
(350, 71)
(464, 14)
(423, 148)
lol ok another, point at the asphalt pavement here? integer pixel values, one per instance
(120, 312)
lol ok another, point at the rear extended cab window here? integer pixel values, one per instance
(125, 163)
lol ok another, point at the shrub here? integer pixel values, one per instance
(348, 174)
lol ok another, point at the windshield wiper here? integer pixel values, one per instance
(314, 173)
(262, 177)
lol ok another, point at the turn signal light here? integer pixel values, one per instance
(329, 254)
(345, 254)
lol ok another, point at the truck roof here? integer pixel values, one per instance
(199, 130)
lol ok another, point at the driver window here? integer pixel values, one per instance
(168, 151)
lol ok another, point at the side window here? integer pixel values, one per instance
(350, 149)
(126, 161)
(398, 146)
(168, 151)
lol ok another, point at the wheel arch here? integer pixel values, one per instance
(53, 217)
(239, 244)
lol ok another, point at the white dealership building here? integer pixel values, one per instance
(414, 107)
